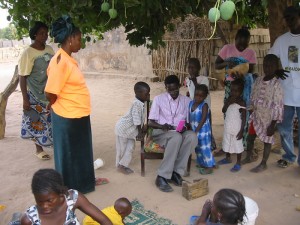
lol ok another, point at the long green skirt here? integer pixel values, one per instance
(73, 152)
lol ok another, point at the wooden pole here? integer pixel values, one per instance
(11, 87)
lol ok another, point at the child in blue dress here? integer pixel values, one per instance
(199, 114)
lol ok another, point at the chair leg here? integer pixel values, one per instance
(142, 165)
(189, 164)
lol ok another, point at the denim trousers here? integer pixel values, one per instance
(285, 129)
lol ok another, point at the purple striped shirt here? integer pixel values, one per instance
(165, 109)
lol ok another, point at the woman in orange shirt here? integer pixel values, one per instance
(70, 103)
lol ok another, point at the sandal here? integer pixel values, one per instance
(205, 171)
(43, 155)
(224, 161)
(282, 163)
(236, 168)
(100, 181)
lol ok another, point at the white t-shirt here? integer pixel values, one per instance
(200, 80)
(287, 48)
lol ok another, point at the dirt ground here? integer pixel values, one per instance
(276, 190)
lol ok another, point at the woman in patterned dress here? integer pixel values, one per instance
(36, 120)
(199, 121)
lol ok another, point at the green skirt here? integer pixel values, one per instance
(73, 152)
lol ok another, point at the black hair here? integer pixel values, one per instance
(63, 28)
(243, 33)
(272, 58)
(238, 82)
(231, 205)
(140, 86)
(195, 62)
(202, 87)
(47, 180)
(33, 30)
(172, 79)
(290, 11)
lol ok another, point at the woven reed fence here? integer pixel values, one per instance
(189, 39)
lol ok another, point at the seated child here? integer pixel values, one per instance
(234, 124)
(129, 128)
(116, 213)
(55, 204)
(266, 105)
(199, 121)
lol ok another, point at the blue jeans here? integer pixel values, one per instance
(286, 133)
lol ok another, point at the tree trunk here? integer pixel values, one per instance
(277, 24)
(11, 87)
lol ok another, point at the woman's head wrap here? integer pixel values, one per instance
(33, 30)
(61, 29)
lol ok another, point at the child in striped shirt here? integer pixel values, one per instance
(129, 128)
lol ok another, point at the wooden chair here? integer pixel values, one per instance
(154, 155)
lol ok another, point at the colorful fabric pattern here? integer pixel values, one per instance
(40, 131)
(267, 102)
(141, 216)
(203, 149)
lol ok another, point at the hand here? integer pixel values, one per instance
(167, 127)
(26, 105)
(48, 107)
(140, 136)
(145, 128)
(231, 64)
(271, 130)
(207, 206)
(239, 136)
(281, 73)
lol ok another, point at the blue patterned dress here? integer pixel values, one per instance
(203, 149)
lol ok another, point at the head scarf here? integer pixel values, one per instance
(62, 28)
(33, 30)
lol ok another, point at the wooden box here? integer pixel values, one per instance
(196, 189)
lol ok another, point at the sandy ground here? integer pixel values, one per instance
(275, 190)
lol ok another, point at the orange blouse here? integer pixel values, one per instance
(66, 81)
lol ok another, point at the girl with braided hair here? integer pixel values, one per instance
(55, 204)
(227, 208)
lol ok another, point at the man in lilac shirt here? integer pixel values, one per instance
(166, 112)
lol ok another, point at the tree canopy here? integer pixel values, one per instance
(145, 21)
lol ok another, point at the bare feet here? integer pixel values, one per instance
(249, 159)
(259, 168)
(125, 170)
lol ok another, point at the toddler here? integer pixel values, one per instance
(115, 213)
(235, 119)
(199, 121)
(129, 128)
(267, 110)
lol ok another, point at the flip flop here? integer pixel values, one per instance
(101, 181)
(205, 171)
(236, 168)
(43, 155)
(224, 161)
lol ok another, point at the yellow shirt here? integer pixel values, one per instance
(66, 81)
(110, 212)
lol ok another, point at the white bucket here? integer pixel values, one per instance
(251, 211)
(98, 163)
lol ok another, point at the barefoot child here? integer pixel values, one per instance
(199, 120)
(267, 105)
(129, 128)
(55, 204)
(235, 119)
(115, 213)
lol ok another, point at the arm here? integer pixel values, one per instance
(220, 63)
(23, 86)
(203, 119)
(206, 211)
(84, 205)
(243, 117)
(229, 101)
(51, 98)
(140, 135)
(156, 125)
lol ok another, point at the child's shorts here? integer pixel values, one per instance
(251, 129)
